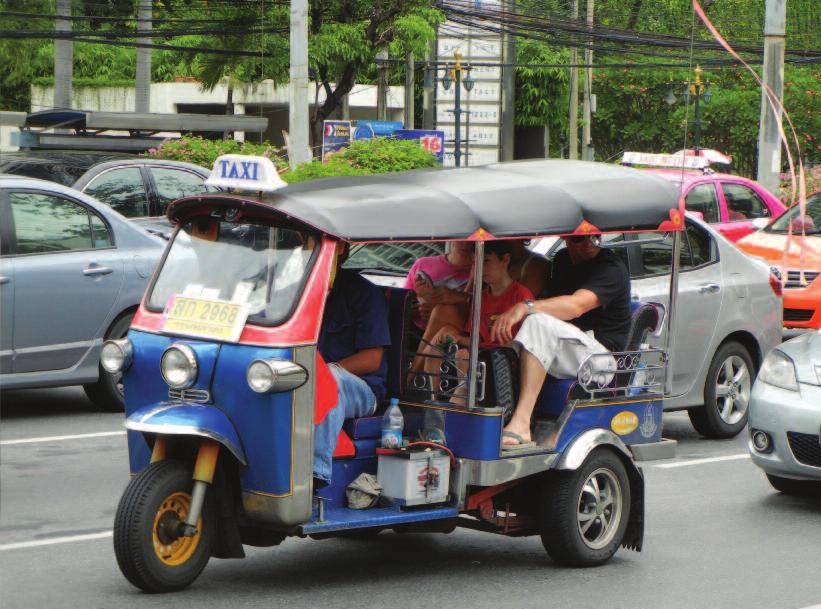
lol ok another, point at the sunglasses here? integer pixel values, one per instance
(576, 238)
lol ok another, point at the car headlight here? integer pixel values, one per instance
(778, 370)
(179, 366)
(267, 375)
(115, 356)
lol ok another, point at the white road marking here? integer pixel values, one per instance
(81, 436)
(54, 540)
(705, 460)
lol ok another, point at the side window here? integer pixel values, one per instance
(175, 183)
(657, 254)
(100, 235)
(701, 245)
(122, 189)
(743, 203)
(702, 199)
(46, 223)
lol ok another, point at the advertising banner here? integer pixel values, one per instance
(336, 135)
(432, 141)
(367, 129)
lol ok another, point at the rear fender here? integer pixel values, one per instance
(188, 420)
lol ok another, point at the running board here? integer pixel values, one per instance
(655, 451)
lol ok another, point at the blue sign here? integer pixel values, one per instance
(366, 129)
(336, 135)
(432, 141)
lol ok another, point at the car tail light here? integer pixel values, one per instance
(775, 284)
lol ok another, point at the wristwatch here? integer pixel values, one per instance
(530, 306)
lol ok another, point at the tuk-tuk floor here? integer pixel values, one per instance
(341, 518)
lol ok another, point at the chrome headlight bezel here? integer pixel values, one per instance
(119, 360)
(779, 371)
(190, 360)
(282, 375)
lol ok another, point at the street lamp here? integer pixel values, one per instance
(453, 75)
(696, 90)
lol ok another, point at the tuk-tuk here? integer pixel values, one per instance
(224, 383)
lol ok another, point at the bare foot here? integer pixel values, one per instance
(522, 434)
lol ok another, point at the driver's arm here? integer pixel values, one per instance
(363, 362)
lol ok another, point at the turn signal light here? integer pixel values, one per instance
(775, 284)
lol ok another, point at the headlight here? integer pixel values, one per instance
(266, 375)
(179, 366)
(778, 370)
(115, 355)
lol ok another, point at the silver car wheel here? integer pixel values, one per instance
(600, 509)
(733, 386)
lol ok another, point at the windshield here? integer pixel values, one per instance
(390, 258)
(810, 222)
(255, 264)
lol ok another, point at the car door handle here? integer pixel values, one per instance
(92, 271)
(709, 288)
(4, 280)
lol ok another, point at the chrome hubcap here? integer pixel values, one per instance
(733, 385)
(600, 509)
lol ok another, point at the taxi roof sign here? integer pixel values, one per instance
(244, 172)
(674, 161)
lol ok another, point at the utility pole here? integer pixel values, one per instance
(428, 108)
(587, 149)
(299, 150)
(409, 78)
(769, 139)
(382, 86)
(63, 57)
(573, 118)
(142, 99)
(509, 92)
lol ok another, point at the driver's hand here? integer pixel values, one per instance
(502, 330)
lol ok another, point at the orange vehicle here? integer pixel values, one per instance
(800, 268)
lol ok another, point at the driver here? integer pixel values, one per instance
(587, 311)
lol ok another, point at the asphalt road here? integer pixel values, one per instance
(717, 536)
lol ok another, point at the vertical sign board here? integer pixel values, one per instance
(432, 141)
(336, 135)
(482, 106)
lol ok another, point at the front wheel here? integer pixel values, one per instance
(150, 551)
(584, 513)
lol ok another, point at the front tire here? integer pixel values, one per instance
(149, 550)
(799, 488)
(726, 393)
(584, 513)
(107, 392)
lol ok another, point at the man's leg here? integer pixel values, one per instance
(355, 400)
(532, 375)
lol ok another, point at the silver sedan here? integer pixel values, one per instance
(785, 416)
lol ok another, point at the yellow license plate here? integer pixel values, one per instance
(204, 318)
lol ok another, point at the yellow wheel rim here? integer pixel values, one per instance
(170, 548)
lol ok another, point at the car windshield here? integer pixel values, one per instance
(810, 222)
(256, 264)
(390, 258)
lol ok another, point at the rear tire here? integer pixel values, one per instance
(799, 488)
(582, 523)
(107, 392)
(150, 553)
(726, 393)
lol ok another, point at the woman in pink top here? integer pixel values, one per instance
(441, 279)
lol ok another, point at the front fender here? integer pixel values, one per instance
(575, 454)
(188, 420)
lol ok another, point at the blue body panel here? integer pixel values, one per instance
(342, 519)
(472, 435)
(583, 418)
(263, 421)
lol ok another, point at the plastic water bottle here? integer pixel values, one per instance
(393, 423)
(640, 375)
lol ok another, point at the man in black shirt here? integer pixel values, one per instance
(586, 311)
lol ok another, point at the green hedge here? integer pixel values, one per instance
(203, 152)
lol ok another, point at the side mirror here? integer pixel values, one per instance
(760, 223)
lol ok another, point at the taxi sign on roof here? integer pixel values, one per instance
(675, 161)
(241, 172)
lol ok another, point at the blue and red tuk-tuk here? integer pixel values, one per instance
(224, 383)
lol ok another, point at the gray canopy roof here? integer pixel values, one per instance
(520, 199)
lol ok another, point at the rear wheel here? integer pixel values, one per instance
(107, 392)
(584, 513)
(788, 486)
(726, 393)
(150, 551)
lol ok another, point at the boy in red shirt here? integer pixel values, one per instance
(499, 293)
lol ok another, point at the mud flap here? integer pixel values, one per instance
(634, 533)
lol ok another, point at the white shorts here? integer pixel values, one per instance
(562, 347)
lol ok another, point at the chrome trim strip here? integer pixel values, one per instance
(671, 318)
(478, 264)
(577, 452)
(491, 473)
(167, 429)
